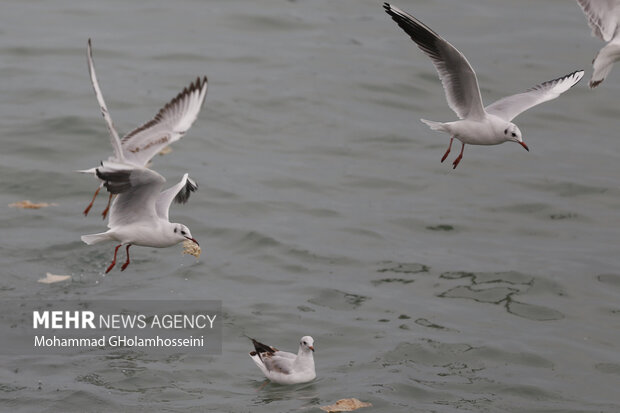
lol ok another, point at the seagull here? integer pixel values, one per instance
(283, 367)
(477, 125)
(139, 214)
(603, 16)
(140, 145)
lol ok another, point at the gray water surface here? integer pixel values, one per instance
(323, 208)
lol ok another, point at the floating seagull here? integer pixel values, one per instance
(169, 125)
(478, 125)
(603, 16)
(283, 367)
(139, 215)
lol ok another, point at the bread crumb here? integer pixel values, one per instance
(52, 278)
(191, 248)
(30, 205)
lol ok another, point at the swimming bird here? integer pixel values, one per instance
(478, 125)
(140, 145)
(283, 367)
(603, 16)
(139, 214)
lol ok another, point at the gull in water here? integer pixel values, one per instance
(477, 125)
(603, 16)
(139, 214)
(140, 145)
(283, 367)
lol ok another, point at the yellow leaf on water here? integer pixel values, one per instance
(345, 405)
(30, 205)
(165, 151)
(191, 248)
(52, 278)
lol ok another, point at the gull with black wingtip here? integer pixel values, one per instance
(603, 17)
(283, 367)
(140, 145)
(478, 125)
(139, 214)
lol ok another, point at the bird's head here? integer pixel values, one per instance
(182, 233)
(512, 133)
(306, 344)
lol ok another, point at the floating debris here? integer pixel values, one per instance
(30, 205)
(165, 151)
(345, 405)
(191, 248)
(52, 278)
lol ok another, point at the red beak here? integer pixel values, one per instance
(193, 239)
(311, 348)
(524, 145)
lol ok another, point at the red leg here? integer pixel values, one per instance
(445, 155)
(113, 259)
(92, 201)
(458, 158)
(126, 262)
(105, 211)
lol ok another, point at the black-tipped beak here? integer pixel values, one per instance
(194, 240)
(524, 145)
(311, 348)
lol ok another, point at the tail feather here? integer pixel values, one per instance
(435, 125)
(91, 239)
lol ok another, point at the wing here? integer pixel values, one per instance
(114, 139)
(456, 74)
(137, 188)
(275, 363)
(262, 348)
(179, 193)
(168, 126)
(511, 106)
(602, 17)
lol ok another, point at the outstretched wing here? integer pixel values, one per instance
(602, 17)
(168, 126)
(457, 76)
(114, 139)
(179, 193)
(511, 106)
(137, 188)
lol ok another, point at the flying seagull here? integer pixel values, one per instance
(603, 16)
(140, 145)
(139, 214)
(478, 125)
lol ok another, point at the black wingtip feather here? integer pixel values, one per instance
(185, 192)
(116, 182)
(261, 348)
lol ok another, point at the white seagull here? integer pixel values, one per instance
(283, 367)
(139, 214)
(478, 125)
(603, 16)
(169, 125)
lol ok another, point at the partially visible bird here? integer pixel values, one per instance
(479, 125)
(603, 17)
(139, 214)
(283, 367)
(140, 145)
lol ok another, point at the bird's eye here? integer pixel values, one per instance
(182, 232)
(514, 134)
(305, 343)
(505, 131)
